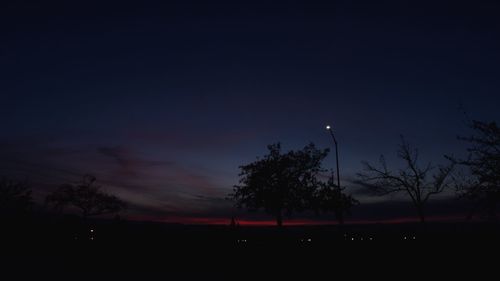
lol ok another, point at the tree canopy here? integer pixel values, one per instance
(280, 183)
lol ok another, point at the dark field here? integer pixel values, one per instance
(131, 250)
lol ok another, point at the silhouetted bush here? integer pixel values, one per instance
(329, 197)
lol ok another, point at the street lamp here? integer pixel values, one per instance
(329, 128)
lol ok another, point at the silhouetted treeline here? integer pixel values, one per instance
(283, 183)
(280, 183)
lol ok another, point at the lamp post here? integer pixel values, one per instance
(329, 128)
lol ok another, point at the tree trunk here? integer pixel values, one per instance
(279, 219)
(421, 214)
(422, 218)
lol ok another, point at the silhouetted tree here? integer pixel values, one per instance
(15, 198)
(280, 183)
(416, 182)
(482, 186)
(329, 197)
(87, 197)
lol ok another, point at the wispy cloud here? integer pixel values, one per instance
(161, 185)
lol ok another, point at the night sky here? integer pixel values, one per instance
(163, 101)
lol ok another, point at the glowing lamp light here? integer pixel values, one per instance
(328, 127)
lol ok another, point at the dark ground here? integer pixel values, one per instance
(118, 250)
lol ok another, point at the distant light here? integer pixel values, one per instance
(405, 238)
(328, 127)
(361, 238)
(91, 238)
(309, 240)
(371, 238)
(352, 238)
(91, 230)
(414, 237)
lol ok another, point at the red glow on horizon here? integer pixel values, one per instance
(292, 222)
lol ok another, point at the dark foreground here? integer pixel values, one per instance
(111, 250)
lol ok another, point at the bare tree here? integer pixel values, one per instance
(87, 197)
(481, 185)
(418, 183)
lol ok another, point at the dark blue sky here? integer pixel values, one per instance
(162, 101)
